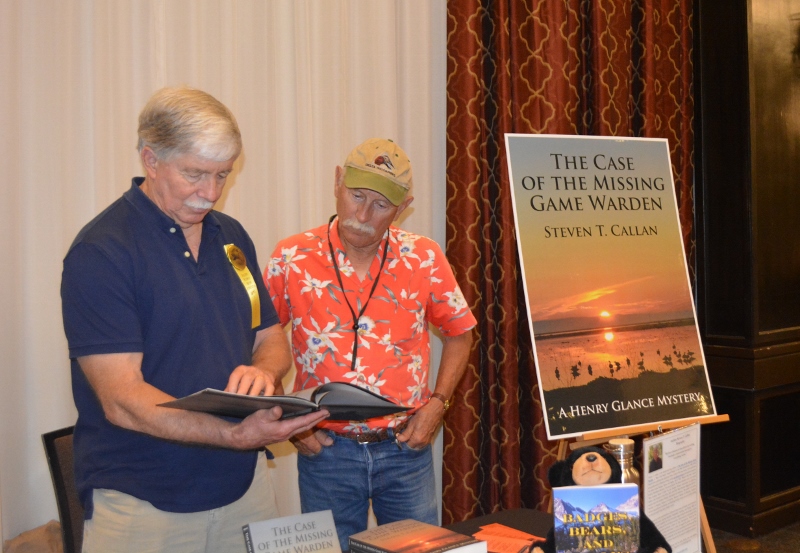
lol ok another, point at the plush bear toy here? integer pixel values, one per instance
(591, 466)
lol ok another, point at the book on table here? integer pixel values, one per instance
(412, 536)
(344, 401)
(600, 519)
(307, 533)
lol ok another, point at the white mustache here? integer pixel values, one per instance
(199, 204)
(361, 227)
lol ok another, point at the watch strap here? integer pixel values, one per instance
(443, 399)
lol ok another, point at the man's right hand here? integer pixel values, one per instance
(311, 441)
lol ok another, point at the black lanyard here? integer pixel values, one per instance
(347, 301)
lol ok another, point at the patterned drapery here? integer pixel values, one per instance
(578, 67)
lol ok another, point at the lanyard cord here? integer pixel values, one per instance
(347, 301)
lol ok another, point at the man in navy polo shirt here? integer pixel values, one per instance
(162, 297)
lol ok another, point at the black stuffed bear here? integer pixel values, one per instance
(591, 466)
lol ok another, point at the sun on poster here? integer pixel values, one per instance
(610, 307)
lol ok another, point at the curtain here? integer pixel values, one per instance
(577, 67)
(307, 81)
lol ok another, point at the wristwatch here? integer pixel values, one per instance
(443, 399)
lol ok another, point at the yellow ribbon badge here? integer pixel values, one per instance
(237, 259)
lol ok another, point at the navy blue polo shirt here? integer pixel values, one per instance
(129, 285)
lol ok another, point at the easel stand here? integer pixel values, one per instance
(602, 436)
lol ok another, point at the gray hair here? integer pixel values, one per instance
(188, 121)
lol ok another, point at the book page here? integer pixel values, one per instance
(344, 393)
(671, 463)
(307, 394)
(342, 400)
(228, 404)
(345, 401)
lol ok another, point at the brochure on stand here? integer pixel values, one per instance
(344, 402)
(672, 486)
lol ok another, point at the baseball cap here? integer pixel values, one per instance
(380, 165)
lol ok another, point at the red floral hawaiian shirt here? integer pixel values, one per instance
(416, 287)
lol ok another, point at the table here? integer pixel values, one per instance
(528, 520)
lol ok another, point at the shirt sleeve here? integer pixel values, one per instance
(98, 304)
(447, 308)
(275, 280)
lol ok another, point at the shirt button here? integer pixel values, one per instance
(187, 254)
(172, 230)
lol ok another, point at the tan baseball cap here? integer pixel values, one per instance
(380, 165)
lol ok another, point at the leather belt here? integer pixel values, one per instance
(374, 436)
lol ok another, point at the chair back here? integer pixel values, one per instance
(58, 448)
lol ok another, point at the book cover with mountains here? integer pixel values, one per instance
(598, 519)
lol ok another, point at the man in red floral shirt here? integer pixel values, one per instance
(360, 295)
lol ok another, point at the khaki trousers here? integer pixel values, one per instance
(124, 524)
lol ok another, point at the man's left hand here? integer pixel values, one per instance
(423, 425)
(271, 359)
(251, 381)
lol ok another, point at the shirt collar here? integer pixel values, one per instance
(153, 214)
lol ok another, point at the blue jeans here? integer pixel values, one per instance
(346, 475)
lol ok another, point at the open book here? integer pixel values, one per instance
(344, 401)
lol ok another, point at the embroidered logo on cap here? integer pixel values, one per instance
(384, 159)
(383, 163)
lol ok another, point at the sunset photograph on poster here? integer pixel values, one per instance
(609, 301)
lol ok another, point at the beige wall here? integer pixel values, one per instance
(307, 80)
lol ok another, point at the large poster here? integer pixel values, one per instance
(610, 307)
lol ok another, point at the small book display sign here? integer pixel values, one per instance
(412, 536)
(344, 402)
(308, 533)
(597, 519)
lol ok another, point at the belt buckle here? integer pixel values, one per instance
(363, 438)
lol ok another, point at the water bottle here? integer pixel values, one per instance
(622, 450)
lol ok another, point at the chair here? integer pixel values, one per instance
(58, 449)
